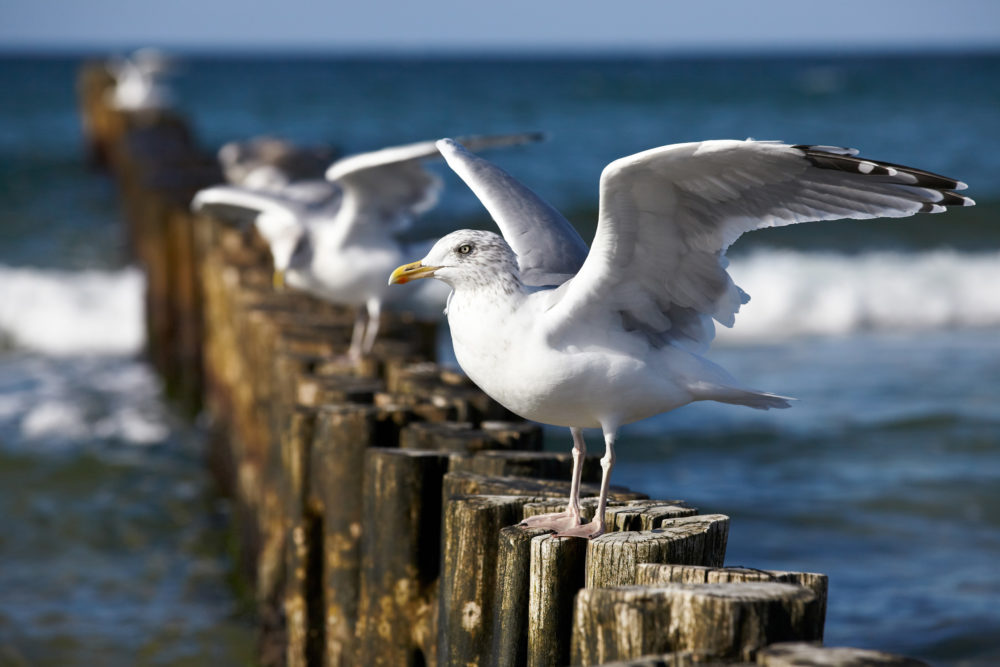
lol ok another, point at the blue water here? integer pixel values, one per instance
(885, 475)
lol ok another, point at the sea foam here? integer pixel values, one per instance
(796, 293)
(66, 312)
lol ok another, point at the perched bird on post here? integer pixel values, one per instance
(601, 338)
(340, 247)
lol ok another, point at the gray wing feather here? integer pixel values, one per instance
(391, 184)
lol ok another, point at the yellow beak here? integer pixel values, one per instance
(411, 271)
(278, 279)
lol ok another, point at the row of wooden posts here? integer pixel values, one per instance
(378, 502)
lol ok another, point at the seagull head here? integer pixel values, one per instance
(467, 256)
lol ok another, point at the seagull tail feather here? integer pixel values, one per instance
(757, 400)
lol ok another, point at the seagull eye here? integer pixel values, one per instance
(464, 249)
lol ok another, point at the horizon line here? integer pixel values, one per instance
(845, 50)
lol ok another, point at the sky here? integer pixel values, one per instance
(510, 25)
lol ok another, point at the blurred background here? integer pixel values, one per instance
(885, 475)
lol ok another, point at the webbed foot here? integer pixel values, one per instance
(557, 521)
(589, 530)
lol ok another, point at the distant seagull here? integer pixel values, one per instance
(272, 164)
(341, 252)
(601, 338)
(138, 82)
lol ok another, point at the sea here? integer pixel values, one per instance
(885, 475)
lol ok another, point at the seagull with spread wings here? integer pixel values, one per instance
(275, 165)
(601, 338)
(341, 248)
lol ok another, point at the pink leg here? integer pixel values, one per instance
(374, 321)
(570, 518)
(596, 527)
(357, 336)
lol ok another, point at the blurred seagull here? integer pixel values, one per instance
(138, 82)
(341, 250)
(271, 164)
(601, 338)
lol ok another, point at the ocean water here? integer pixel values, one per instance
(884, 475)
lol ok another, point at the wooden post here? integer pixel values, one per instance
(553, 585)
(521, 463)
(281, 510)
(454, 393)
(647, 515)
(464, 484)
(400, 547)
(186, 293)
(467, 592)
(795, 654)
(557, 573)
(344, 432)
(304, 633)
(450, 436)
(678, 659)
(312, 389)
(463, 437)
(621, 515)
(724, 621)
(510, 610)
(650, 574)
(697, 540)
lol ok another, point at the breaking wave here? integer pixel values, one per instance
(798, 294)
(72, 312)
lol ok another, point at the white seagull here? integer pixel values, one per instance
(601, 338)
(341, 249)
(275, 165)
(138, 82)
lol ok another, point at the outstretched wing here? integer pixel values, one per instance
(281, 222)
(391, 186)
(272, 161)
(549, 250)
(668, 214)
(230, 201)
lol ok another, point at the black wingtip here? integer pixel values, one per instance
(949, 198)
(897, 173)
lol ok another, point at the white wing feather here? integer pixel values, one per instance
(391, 185)
(255, 201)
(668, 214)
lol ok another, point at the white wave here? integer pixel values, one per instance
(66, 402)
(65, 312)
(808, 294)
(793, 294)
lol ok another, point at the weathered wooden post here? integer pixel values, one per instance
(400, 547)
(612, 558)
(722, 621)
(560, 567)
(469, 581)
(652, 574)
(796, 654)
(510, 610)
(280, 583)
(558, 570)
(337, 482)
